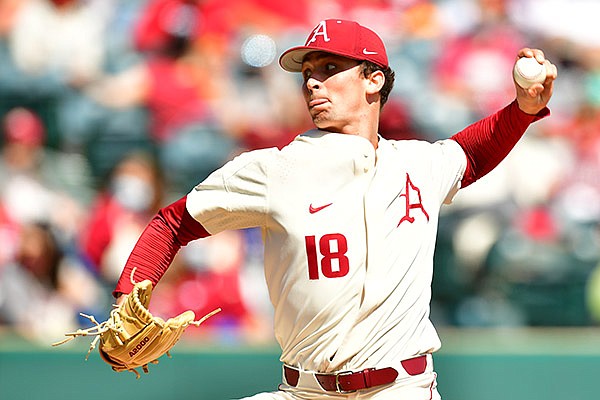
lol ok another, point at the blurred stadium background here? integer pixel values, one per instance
(111, 108)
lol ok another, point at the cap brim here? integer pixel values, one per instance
(291, 60)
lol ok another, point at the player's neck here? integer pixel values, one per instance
(365, 127)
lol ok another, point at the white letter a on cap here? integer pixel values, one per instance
(320, 30)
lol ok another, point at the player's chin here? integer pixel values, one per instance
(320, 119)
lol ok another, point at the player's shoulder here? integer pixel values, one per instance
(299, 144)
(312, 136)
(254, 155)
(246, 161)
(413, 146)
(265, 156)
(325, 140)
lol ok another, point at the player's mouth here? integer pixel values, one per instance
(317, 103)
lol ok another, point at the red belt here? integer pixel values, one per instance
(344, 382)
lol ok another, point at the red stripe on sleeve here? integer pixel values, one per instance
(171, 228)
(488, 141)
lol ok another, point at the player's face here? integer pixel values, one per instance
(334, 91)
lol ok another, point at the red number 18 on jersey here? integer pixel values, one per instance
(333, 262)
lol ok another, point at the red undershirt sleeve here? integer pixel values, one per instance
(488, 141)
(171, 228)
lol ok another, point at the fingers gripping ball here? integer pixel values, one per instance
(132, 337)
(528, 71)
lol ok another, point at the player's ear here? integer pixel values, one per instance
(375, 81)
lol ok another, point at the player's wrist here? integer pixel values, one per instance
(532, 114)
(120, 298)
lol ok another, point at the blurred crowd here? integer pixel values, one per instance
(110, 109)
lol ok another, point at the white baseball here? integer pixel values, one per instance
(528, 71)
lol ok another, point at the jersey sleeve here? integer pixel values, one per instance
(235, 196)
(488, 141)
(453, 166)
(171, 228)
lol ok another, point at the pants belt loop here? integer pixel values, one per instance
(367, 377)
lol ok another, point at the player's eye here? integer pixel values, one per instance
(306, 74)
(330, 67)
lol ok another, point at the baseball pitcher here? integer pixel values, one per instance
(349, 221)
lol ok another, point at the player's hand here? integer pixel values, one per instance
(534, 99)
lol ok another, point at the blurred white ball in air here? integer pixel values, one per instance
(258, 50)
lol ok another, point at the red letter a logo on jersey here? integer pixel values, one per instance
(416, 194)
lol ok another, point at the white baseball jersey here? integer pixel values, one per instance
(349, 234)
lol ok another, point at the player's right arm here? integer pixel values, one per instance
(488, 141)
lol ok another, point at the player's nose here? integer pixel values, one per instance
(312, 84)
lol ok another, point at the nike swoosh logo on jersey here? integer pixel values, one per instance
(313, 210)
(367, 52)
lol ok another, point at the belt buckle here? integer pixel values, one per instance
(338, 389)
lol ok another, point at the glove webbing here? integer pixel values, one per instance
(100, 328)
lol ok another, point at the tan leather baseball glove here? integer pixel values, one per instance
(132, 337)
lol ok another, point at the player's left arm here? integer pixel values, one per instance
(488, 141)
(170, 229)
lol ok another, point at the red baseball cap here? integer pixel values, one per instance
(341, 37)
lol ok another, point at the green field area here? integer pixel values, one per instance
(532, 364)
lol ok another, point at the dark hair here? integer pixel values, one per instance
(369, 67)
